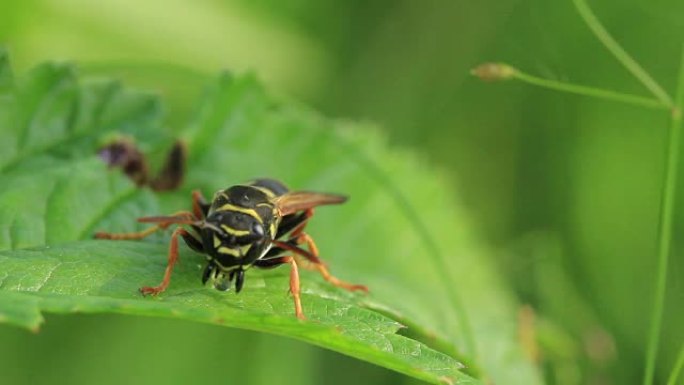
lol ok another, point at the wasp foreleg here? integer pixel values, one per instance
(173, 258)
(294, 278)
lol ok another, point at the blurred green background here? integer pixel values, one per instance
(564, 189)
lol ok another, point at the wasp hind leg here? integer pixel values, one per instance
(162, 223)
(309, 258)
(200, 207)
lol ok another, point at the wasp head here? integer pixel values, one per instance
(235, 233)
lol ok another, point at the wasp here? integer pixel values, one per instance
(259, 224)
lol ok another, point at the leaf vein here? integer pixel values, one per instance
(48, 276)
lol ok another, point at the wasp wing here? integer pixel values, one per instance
(303, 200)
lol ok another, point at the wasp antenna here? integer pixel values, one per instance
(211, 226)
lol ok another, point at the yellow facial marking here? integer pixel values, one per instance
(231, 207)
(229, 251)
(245, 249)
(217, 241)
(232, 231)
(224, 269)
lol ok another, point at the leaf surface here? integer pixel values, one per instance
(400, 233)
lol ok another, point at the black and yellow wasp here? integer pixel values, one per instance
(253, 224)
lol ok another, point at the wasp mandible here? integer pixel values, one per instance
(254, 224)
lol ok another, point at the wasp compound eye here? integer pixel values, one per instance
(258, 229)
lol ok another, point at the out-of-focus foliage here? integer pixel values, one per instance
(565, 187)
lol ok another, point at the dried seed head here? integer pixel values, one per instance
(493, 71)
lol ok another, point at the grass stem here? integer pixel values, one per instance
(503, 71)
(590, 91)
(665, 231)
(620, 54)
(679, 364)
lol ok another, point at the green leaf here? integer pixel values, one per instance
(400, 233)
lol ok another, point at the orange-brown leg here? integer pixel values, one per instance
(162, 223)
(301, 237)
(305, 221)
(294, 287)
(173, 257)
(294, 278)
(311, 256)
(199, 204)
(122, 236)
(318, 264)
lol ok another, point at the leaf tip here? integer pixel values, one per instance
(33, 324)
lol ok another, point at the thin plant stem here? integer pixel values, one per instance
(679, 364)
(665, 232)
(590, 91)
(503, 71)
(620, 54)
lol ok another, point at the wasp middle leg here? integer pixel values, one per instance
(200, 207)
(312, 261)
